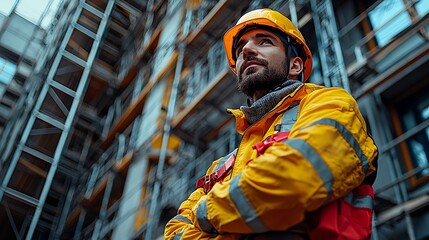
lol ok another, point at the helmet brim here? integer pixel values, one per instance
(234, 32)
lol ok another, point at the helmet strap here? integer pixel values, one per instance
(289, 49)
(288, 54)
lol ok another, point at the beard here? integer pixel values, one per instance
(264, 80)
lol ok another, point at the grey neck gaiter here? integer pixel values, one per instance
(263, 105)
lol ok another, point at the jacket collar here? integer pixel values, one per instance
(241, 123)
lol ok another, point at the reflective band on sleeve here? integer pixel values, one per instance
(359, 201)
(223, 160)
(288, 120)
(178, 236)
(314, 158)
(203, 219)
(349, 138)
(247, 212)
(182, 219)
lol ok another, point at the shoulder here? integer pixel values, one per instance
(330, 95)
(311, 88)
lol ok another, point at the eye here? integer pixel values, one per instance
(238, 50)
(266, 41)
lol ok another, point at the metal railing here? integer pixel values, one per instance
(399, 13)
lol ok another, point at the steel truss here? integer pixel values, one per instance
(45, 135)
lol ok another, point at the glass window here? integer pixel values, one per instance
(6, 7)
(34, 11)
(413, 111)
(31, 10)
(7, 71)
(422, 7)
(388, 19)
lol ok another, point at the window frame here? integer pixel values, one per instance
(404, 151)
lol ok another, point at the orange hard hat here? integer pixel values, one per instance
(272, 19)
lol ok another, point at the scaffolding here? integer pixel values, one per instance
(126, 110)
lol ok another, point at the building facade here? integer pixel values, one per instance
(129, 110)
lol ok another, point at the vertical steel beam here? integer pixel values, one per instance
(103, 209)
(149, 21)
(154, 209)
(79, 225)
(331, 58)
(6, 136)
(293, 13)
(75, 181)
(76, 101)
(35, 112)
(63, 127)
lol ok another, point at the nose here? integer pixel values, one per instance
(249, 49)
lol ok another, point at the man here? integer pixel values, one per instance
(303, 148)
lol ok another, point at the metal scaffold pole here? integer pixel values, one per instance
(331, 58)
(48, 122)
(154, 209)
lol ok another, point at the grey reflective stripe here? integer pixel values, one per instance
(178, 235)
(365, 201)
(182, 219)
(288, 120)
(203, 219)
(247, 212)
(223, 160)
(314, 158)
(349, 138)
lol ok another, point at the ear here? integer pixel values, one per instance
(296, 67)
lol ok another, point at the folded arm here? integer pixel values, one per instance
(328, 154)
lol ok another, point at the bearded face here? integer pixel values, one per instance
(260, 78)
(261, 62)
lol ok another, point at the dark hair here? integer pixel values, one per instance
(297, 49)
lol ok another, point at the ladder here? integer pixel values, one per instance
(331, 58)
(47, 130)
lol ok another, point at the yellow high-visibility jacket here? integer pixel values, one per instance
(327, 155)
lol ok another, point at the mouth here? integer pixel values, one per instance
(250, 63)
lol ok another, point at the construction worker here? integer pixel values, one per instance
(304, 148)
